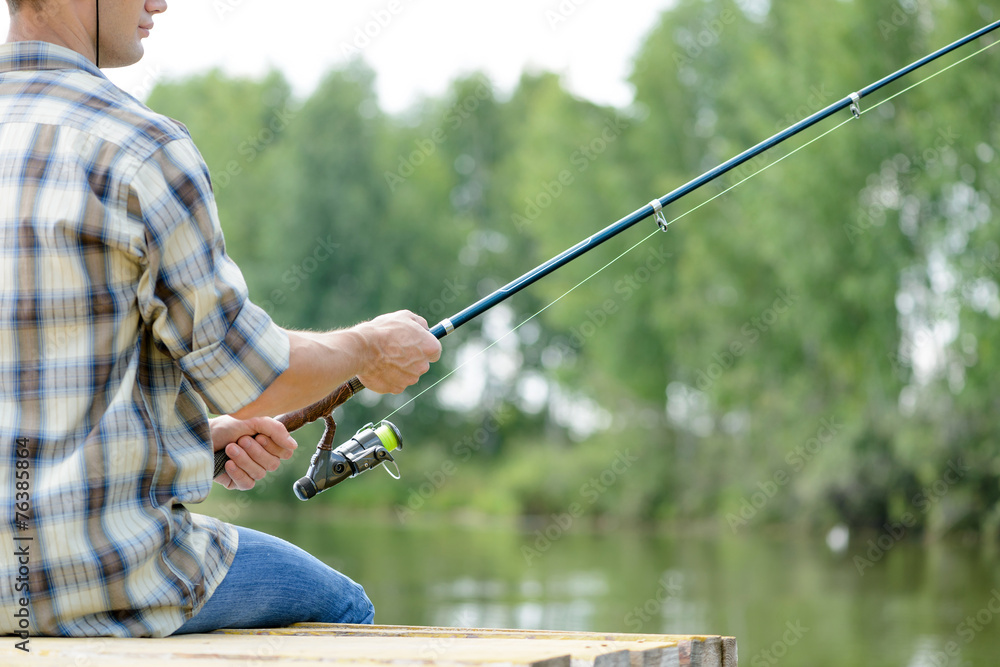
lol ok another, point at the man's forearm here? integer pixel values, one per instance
(388, 354)
(318, 363)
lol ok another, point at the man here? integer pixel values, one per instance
(123, 324)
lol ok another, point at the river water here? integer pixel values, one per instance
(788, 599)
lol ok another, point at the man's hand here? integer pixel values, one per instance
(400, 350)
(255, 447)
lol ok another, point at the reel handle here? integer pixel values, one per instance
(322, 409)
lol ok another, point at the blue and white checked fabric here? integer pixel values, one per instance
(122, 323)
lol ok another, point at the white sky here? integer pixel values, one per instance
(422, 46)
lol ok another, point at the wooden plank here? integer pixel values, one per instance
(643, 650)
(678, 650)
(730, 656)
(703, 652)
(340, 629)
(331, 649)
(383, 645)
(219, 650)
(101, 660)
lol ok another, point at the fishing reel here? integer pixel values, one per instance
(328, 467)
(369, 448)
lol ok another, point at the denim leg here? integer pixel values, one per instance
(272, 583)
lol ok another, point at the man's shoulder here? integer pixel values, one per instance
(44, 84)
(127, 122)
(136, 127)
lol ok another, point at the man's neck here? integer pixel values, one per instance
(56, 25)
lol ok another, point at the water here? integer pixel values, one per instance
(788, 600)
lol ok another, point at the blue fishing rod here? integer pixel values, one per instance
(373, 444)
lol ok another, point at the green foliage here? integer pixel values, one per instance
(826, 331)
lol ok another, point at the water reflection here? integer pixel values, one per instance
(789, 600)
(567, 602)
(924, 650)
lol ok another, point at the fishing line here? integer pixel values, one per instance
(673, 220)
(97, 39)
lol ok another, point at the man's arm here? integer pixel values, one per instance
(388, 354)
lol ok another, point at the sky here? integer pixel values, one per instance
(416, 47)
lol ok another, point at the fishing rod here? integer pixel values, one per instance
(372, 445)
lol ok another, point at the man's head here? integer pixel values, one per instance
(76, 24)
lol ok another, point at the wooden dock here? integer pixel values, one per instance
(310, 643)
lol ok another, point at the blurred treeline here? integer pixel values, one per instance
(817, 346)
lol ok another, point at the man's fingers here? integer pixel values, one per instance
(273, 448)
(244, 461)
(259, 453)
(238, 478)
(416, 318)
(276, 431)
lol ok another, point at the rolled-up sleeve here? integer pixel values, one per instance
(191, 295)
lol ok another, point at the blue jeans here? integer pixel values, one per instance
(272, 583)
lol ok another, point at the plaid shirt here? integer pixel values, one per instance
(122, 323)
